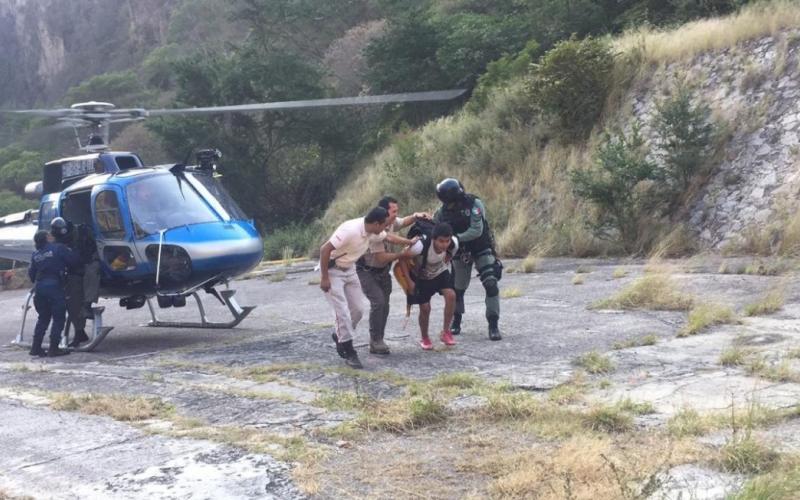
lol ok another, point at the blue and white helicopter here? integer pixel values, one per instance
(165, 231)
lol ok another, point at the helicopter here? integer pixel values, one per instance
(163, 232)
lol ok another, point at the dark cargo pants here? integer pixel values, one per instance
(377, 286)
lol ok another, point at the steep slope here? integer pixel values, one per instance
(743, 67)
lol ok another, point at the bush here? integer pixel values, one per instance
(570, 83)
(683, 137)
(297, 238)
(502, 72)
(620, 185)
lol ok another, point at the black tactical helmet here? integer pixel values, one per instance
(450, 190)
(59, 227)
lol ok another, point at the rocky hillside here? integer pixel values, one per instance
(50, 45)
(744, 68)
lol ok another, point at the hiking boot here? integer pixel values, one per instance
(378, 347)
(447, 338)
(455, 327)
(494, 330)
(339, 348)
(80, 338)
(37, 351)
(54, 351)
(426, 344)
(351, 356)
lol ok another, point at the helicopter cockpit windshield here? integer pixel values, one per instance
(165, 202)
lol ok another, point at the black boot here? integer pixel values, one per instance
(37, 351)
(80, 337)
(455, 326)
(494, 331)
(36, 348)
(55, 351)
(351, 359)
(339, 347)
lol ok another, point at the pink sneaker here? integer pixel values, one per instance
(447, 338)
(426, 344)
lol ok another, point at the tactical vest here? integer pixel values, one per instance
(459, 217)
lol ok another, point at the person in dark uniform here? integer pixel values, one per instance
(48, 266)
(80, 289)
(467, 215)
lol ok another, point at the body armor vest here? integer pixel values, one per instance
(459, 216)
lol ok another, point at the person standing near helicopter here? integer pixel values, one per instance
(49, 264)
(82, 280)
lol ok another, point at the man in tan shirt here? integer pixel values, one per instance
(373, 272)
(338, 275)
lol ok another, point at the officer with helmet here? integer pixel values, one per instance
(48, 265)
(467, 215)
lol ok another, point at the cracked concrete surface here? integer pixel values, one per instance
(69, 455)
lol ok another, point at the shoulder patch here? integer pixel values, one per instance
(476, 210)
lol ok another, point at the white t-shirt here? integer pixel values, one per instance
(379, 246)
(351, 240)
(435, 262)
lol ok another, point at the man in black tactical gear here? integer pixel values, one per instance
(82, 280)
(467, 215)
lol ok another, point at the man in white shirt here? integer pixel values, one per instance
(339, 280)
(373, 272)
(433, 275)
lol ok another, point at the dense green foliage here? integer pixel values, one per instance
(571, 82)
(620, 185)
(627, 186)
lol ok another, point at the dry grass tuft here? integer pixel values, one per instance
(636, 342)
(771, 302)
(654, 291)
(587, 467)
(529, 264)
(578, 279)
(705, 315)
(734, 356)
(691, 39)
(619, 272)
(118, 407)
(277, 277)
(747, 455)
(511, 293)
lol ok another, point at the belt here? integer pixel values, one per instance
(372, 269)
(333, 265)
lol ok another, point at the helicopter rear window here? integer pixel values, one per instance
(164, 202)
(109, 221)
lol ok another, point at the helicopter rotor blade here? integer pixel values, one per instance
(439, 95)
(47, 113)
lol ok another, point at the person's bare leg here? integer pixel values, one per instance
(449, 307)
(424, 317)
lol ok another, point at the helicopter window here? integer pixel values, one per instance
(164, 202)
(109, 221)
(219, 196)
(47, 213)
(126, 162)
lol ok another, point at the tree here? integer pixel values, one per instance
(620, 185)
(684, 134)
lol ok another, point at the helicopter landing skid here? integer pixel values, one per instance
(97, 335)
(239, 313)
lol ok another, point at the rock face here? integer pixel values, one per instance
(753, 92)
(50, 45)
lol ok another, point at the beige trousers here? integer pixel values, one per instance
(347, 301)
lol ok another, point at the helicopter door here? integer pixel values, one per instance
(113, 233)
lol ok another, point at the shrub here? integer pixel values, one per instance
(298, 239)
(571, 81)
(683, 137)
(619, 185)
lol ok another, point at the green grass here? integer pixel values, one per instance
(636, 342)
(734, 356)
(747, 455)
(595, 363)
(777, 485)
(612, 419)
(703, 316)
(771, 302)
